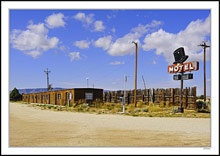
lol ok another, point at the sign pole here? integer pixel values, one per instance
(181, 93)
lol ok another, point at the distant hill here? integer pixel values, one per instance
(36, 90)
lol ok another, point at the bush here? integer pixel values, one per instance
(137, 110)
(175, 110)
(145, 109)
(84, 105)
(200, 105)
(119, 109)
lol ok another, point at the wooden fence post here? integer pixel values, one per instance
(153, 95)
(172, 94)
(110, 97)
(116, 97)
(186, 98)
(164, 99)
(148, 92)
(194, 89)
(128, 98)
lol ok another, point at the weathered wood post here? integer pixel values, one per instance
(194, 90)
(153, 95)
(148, 93)
(164, 99)
(128, 98)
(110, 97)
(115, 97)
(172, 94)
(186, 98)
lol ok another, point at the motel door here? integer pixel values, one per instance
(66, 98)
(49, 98)
(55, 98)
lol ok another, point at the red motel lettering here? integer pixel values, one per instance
(188, 66)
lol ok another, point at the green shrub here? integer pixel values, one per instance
(84, 105)
(145, 109)
(137, 110)
(119, 109)
(49, 107)
(200, 105)
(135, 115)
(175, 110)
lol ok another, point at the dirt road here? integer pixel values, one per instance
(30, 126)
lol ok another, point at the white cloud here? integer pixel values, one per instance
(55, 20)
(104, 42)
(33, 41)
(166, 43)
(99, 26)
(154, 62)
(117, 63)
(85, 19)
(74, 56)
(34, 54)
(113, 30)
(83, 44)
(124, 46)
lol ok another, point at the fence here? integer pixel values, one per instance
(170, 96)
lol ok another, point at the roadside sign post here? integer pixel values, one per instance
(180, 67)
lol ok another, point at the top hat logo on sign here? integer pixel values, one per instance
(179, 55)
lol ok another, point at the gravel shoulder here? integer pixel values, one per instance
(30, 127)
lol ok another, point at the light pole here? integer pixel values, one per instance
(204, 47)
(87, 82)
(135, 97)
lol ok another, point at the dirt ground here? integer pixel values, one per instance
(30, 127)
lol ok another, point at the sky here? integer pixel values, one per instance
(76, 45)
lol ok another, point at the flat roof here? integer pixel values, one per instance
(67, 89)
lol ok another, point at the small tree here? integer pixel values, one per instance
(201, 97)
(15, 95)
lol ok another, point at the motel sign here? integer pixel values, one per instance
(183, 67)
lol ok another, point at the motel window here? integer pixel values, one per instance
(38, 96)
(70, 96)
(26, 97)
(33, 97)
(89, 96)
(59, 96)
(29, 97)
(42, 96)
(48, 96)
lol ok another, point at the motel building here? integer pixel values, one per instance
(63, 97)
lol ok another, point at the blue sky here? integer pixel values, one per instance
(96, 44)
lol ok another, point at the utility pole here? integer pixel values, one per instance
(47, 72)
(135, 90)
(204, 47)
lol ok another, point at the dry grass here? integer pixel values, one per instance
(157, 110)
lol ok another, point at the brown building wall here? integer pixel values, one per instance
(62, 97)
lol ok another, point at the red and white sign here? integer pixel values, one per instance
(188, 66)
